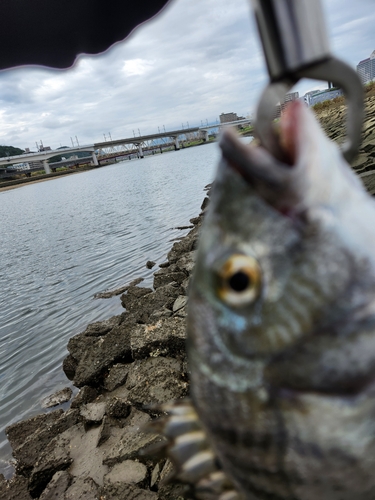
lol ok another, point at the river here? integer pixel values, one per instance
(63, 241)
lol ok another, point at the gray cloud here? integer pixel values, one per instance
(193, 62)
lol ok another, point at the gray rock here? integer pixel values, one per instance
(85, 395)
(150, 264)
(187, 244)
(57, 398)
(141, 308)
(129, 472)
(186, 262)
(54, 458)
(102, 354)
(117, 491)
(118, 408)
(129, 441)
(101, 328)
(162, 313)
(155, 475)
(93, 413)
(205, 203)
(70, 366)
(155, 380)
(179, 303)
(196, 220)
(15, 489)
(164, 264)
(19, 432)
(165, 337)
(56, 488)
(163, 277)
(35, 444)
(82, 489)
(116, 377)
(105, 430)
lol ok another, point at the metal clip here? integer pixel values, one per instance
(296, 46)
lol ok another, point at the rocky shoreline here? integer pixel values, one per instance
(93, 450)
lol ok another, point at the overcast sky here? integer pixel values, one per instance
(197, 59)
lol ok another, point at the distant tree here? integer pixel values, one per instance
(10, 151)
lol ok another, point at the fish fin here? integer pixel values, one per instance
(187, 447)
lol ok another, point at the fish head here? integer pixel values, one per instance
(281, 304)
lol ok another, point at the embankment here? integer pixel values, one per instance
(93, 449)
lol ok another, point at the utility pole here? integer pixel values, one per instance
(105, 138)
(77, 141)
(139, 132)
(164, 129)
(110, 137)
(133, 133)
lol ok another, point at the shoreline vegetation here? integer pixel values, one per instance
(91, 448)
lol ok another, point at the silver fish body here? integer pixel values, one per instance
(281, 320)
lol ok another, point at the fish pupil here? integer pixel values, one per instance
(239, 281)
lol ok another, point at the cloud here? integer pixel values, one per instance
(191, 63)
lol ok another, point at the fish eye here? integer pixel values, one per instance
(239, 280)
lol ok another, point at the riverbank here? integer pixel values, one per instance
(92, 450)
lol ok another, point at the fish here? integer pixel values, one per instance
(281, 320)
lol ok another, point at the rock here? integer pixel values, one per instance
(15, 489)
(102, 354)
(82, 489)
(117, 491)
(155, 380)
(117, 291)
(129, 472)
(116, 377)
(18, 433)
(104, 430)
(164, 277)
(164, 265)
(187, 244)
(85, 395)
(57, 398)
(127, 443)
(162, 313)
(93, 413)
(101, 328)
(54, 458)
(155, 475)
(186, 263)
(86, 455)
(118, 408)
(70, 366)
(205, 204)
(34, 444)
(179, 303)
(56, 488)
(141, 308)
(150, 264)
(196, 220)
(165, 337)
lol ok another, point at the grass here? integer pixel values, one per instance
(369, 90)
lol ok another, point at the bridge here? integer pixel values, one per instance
(138, 143)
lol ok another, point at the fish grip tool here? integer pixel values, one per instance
(295, 45)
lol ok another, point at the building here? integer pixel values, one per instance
(366, 69)
(309, 95)
(325, 95)
(229, 117)
(291, 96)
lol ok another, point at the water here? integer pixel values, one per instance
(63, 241)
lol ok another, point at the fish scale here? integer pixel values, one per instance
(281, 372)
